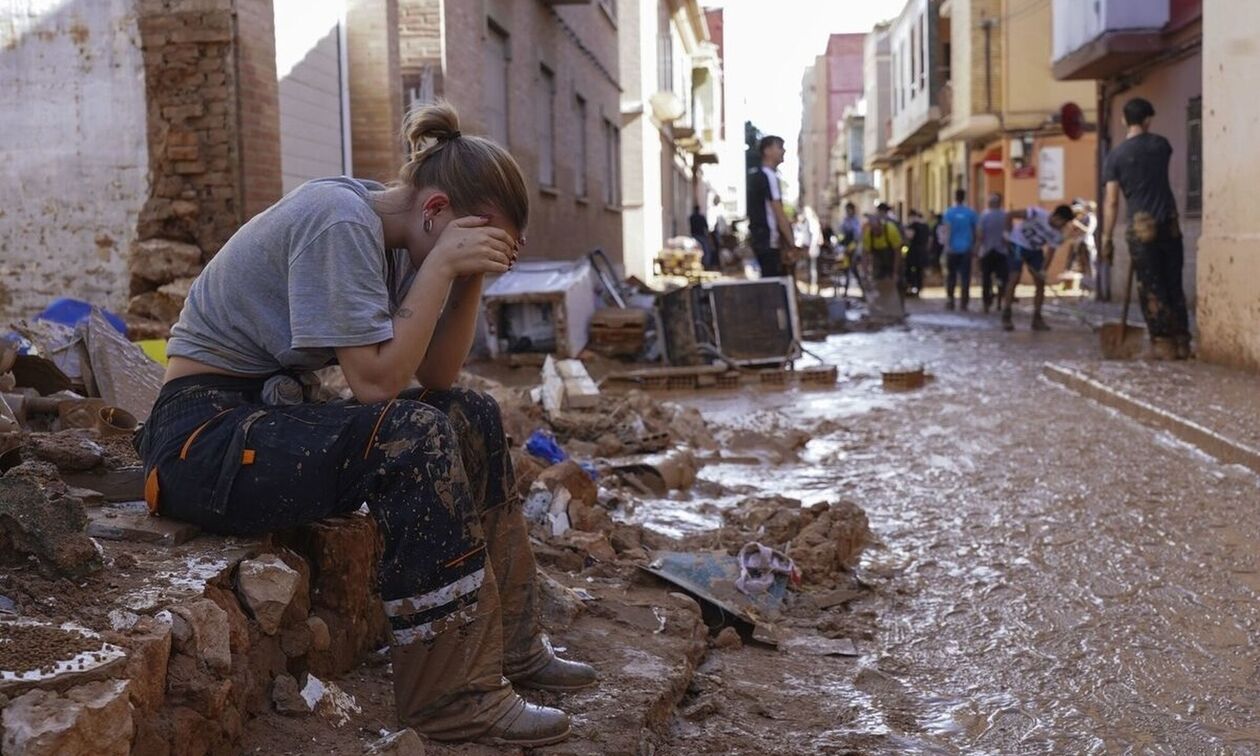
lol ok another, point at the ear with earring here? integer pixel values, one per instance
(428, 225)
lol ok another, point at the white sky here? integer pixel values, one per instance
(769, 43)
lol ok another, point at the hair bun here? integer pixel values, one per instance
(438, 122)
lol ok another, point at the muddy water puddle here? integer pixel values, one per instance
(1050, 577)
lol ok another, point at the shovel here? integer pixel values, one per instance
(1121, 341)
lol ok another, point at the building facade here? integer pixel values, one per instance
(833, 83)
(671, 102)
(1153, 50)
(542, 79)
(1228, 268)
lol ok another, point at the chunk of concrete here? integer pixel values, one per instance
(51, 531)
(286, 696)
(321, 640)
(200, 629)
(90, 720)
(266, 585)
(149, 650)
(402, 743)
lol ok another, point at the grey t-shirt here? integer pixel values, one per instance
(307, 275)
(993, 230)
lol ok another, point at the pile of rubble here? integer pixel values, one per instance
(162, 271)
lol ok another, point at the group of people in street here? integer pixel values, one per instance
(1003, 244)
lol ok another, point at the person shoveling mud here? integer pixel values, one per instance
(385, 282)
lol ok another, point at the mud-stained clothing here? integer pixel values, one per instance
(433, 468)
(1140, 165)
(1157, 264)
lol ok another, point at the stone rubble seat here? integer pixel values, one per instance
(266, 586)
(90, 720)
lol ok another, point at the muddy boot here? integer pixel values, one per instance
(1039, 324)
(528, 658)
(1007, 323)
(558, 675)
(528, 726)
(1183, 350)
(1162, 349)
(448, 673)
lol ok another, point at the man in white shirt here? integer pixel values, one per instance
(1033, 243)
(768, 225)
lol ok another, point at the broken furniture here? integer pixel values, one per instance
(540, 308)
(744, 323)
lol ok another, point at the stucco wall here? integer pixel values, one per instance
(1169, 88)
(1229, 263)
(74, 173)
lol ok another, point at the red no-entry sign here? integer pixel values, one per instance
(993, 164)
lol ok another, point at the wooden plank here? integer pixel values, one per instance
(113, 524)
(123, 484)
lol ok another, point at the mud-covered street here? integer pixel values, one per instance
(1052, 577)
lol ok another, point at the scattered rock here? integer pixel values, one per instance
(125, 561)
(527, 468)
(149, 650)
(161, 261)
(200, 629)
(69, 450)
(591, 518)
(703, 708)
(402, 743)
(558, 605)
(831, 542)
(330, 702)
(773, 520)
(266, 586)
(286, 696)
(295, 640)
(90, 720)
(593, 545)
(51, 531)
(728, 638)
(625, 537)
(320, 639)
(571, 475)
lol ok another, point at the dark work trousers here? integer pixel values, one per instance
(995, 267)
(1157, 263)
(771, 262)
(915, 262)
(958, 271)
(434, 470)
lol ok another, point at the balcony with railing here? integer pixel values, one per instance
(1096, 39)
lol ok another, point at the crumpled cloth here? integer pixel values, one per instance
(758, 567)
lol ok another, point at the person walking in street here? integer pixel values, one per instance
(1138, 168)
(1096, 276)
(769, 229)
(962, 224)
(1033, 244)
(919, 242)
(700, 232)
(850, 239)
(994, 262)
(881, 246)
(386, 283)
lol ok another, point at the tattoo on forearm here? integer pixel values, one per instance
(404, 312)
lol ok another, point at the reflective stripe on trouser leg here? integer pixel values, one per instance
(437, 585)
(475, 418)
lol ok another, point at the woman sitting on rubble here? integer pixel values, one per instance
(385, 282)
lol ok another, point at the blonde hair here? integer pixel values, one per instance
(473, 171)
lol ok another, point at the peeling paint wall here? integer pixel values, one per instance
(1228, 307)
(74, 167)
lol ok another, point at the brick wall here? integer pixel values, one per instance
(258, 95)
(376, 108)
(580, 45)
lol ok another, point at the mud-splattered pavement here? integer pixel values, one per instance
(1053, 577)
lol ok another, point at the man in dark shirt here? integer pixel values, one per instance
(769, 231)
(1138, 167)
(920, 238)
(700, 232)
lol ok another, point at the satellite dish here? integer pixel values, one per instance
(1072, 119)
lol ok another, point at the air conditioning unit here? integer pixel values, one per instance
(747, 323)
